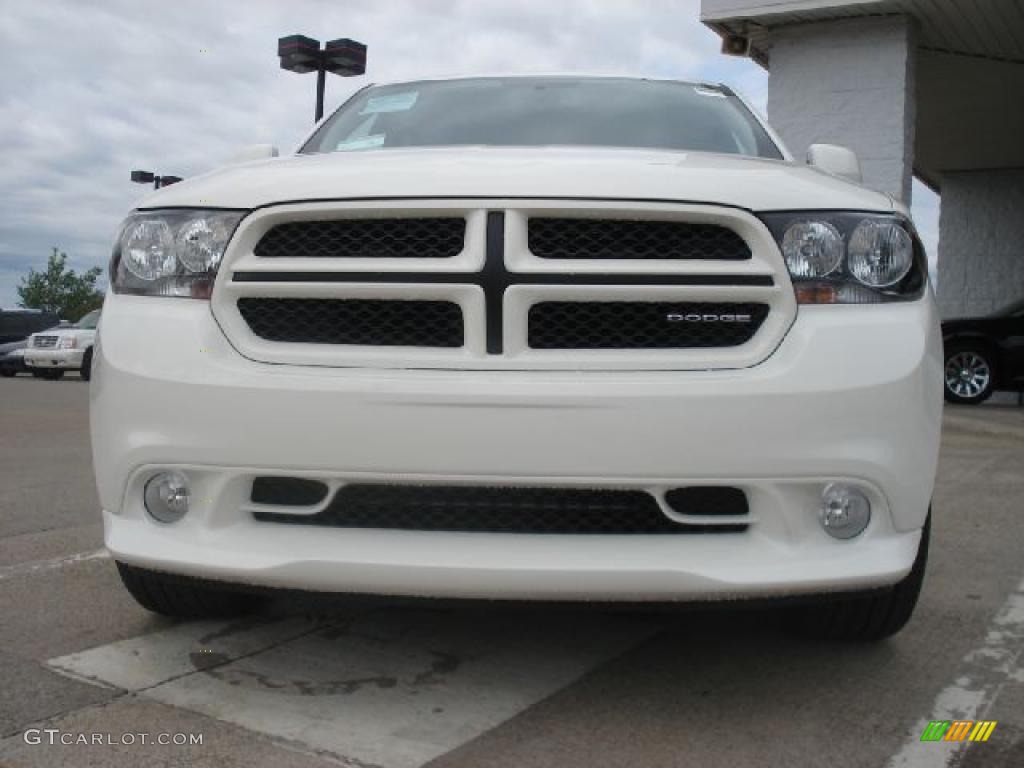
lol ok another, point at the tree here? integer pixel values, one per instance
(61, 290)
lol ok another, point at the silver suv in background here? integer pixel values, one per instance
(50, 354)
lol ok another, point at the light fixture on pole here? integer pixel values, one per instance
(145, 177)
(342, 57)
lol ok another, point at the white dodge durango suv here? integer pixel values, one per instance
(550, 338)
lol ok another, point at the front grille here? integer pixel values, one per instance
(632, 239)
(433, 238)
(642, 324)
(596, 292)
(495, 510)
(44, 342)
(377, 322)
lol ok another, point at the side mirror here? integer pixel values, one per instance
(254, 152)
(836, 160)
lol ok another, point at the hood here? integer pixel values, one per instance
(751, 183)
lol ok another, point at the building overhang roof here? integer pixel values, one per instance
(970, 70)
(993, 30)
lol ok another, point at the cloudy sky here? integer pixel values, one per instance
(92, 90)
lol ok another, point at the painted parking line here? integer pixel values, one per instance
(143, 662)
(393, 688)
(38, 566)
(979, 678)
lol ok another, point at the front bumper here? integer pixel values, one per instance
(852, 394)
(62, 359)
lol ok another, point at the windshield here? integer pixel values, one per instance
(89, 321)
(545, 111)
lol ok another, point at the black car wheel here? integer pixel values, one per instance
(86, 372)
(868, 617)
(969, 374)
(50, 374)
(183, 596)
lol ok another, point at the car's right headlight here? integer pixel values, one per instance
(171, 252)
(839, 257)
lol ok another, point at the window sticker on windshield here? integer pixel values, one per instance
(395, 102)
(366, 142)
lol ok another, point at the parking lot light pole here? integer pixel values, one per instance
(145, 177)
(321, 78)
(342, 57)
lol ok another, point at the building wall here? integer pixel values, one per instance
(848, 82)
(981, 241)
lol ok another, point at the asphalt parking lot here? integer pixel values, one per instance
(319, 682)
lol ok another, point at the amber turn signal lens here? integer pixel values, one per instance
(816, 293)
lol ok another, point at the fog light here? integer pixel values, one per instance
(166, 496)
(845, 511)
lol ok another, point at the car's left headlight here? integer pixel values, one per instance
(840, 257)
(173, 252)
(67, 342)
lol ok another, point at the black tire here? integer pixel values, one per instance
(7, 372)
(86, 370)
(39, 374)
(979, 359)
(183, 596)
(867, 617)
(52, 374)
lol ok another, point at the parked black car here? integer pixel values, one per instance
(984, 354)
(19, 324)
(15, 327)
(12, 358)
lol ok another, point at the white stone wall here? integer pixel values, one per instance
(848, 82)
(981, 241)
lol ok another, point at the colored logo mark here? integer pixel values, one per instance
(958, 730)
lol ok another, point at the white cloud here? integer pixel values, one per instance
(91, 91)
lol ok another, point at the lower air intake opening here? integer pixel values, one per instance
(474, 509)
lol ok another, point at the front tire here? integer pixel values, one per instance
(86, 371)
(50, 374)
(182, 596)
(7, 373)
(969, 374)
(867, 617)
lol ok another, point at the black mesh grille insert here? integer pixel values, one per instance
(495, 510)
(631, 239)
(642, 324)
(434, 238)
(378, 322)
